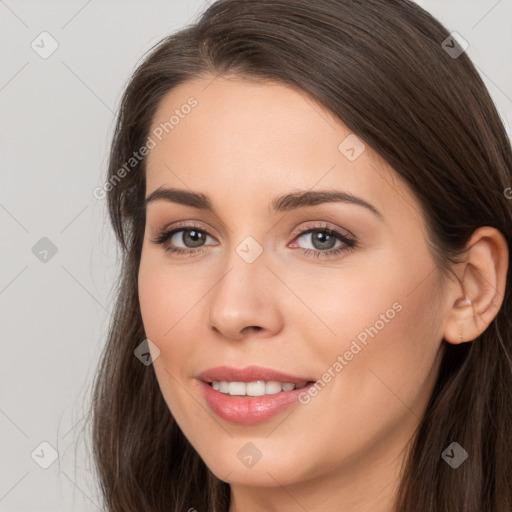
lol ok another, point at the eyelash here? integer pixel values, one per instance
(349, 243)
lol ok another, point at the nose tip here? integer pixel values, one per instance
(241, 299)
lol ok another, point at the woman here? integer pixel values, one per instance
(311, 202)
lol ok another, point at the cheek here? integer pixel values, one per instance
(390, 351)
(381, 315)
(166, 297)
(382, 348)
(379, 392)
(173, 309)
(152, 299)
(167, 308)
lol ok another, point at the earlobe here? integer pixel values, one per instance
(478, 295)
(460, 318)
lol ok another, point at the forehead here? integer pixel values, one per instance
(228, 134)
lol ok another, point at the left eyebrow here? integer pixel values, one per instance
(284, 203)
(311, 198)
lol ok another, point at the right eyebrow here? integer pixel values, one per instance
(185, 197)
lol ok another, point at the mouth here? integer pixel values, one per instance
(251, 395)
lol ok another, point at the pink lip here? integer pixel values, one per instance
(246, 410)
(248, 374)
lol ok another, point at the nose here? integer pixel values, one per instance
(245, 302)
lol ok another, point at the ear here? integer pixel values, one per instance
(478, 296)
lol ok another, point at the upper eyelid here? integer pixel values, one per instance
(319, 225)
(327, 226)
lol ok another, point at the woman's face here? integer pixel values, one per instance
(357, 308)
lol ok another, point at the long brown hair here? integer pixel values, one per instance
(380, 66)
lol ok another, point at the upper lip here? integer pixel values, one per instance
(249, 374)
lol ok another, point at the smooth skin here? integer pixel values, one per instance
(242, 145)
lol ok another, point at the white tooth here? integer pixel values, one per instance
(272, 386)
(236, 388)
(256, 388)
(288, 386)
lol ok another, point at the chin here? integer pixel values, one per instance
(268, 471)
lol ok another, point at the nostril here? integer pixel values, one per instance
(253, 328)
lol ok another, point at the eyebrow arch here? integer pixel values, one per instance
(284, 203)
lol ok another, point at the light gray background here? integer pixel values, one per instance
(56, 122)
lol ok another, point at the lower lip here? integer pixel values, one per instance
(249, 410)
